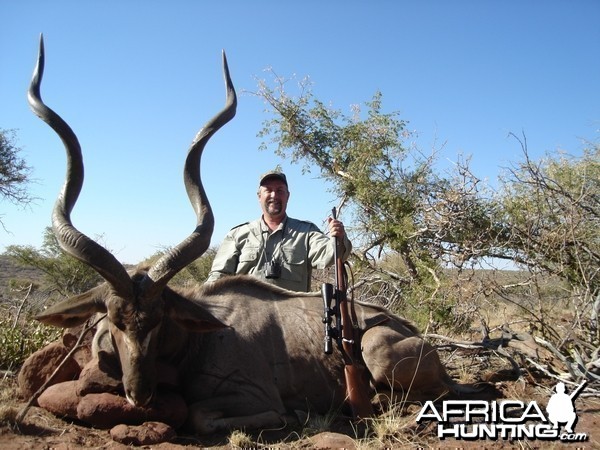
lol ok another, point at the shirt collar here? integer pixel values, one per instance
(265, 228)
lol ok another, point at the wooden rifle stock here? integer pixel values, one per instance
(357, 391)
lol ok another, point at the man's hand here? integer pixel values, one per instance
(336, 228)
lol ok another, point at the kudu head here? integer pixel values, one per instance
(136, 305)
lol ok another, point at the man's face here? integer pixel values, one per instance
(273, 197)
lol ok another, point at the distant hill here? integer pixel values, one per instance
(11, 269)
(10, 301)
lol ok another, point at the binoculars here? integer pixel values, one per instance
(272, 270)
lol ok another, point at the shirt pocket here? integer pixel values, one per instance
(249, 253)
(294, 263)
(248, 259)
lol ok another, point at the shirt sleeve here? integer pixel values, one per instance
(321, 248)
(226, 260)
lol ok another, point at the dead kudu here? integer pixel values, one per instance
(246, 353)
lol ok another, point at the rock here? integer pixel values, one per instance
(61, 399)
(329, 440)
(98, 377)
(106, 410)
(148, 433)
(84, 353)
(40, 365)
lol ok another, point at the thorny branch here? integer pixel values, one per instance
(511, 344)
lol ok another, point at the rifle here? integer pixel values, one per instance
(573, 395)
(346, 337)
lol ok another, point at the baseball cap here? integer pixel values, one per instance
(273, 174)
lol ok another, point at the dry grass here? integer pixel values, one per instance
(8, 397)
(395, 428)
(240, 440)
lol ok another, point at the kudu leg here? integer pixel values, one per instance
(402, 365)
(206, 419)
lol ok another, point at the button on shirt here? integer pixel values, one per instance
(297, 246)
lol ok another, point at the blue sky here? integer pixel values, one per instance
(137, 79)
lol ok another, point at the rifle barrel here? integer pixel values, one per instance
(357, 391)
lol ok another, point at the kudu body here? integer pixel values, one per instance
(246, 352)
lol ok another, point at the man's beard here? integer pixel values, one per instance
(274, 207)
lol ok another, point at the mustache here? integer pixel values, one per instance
(275, 204)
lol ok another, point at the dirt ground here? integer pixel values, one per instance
(41, 430)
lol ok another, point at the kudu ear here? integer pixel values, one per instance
(190, 315)
(75, 310)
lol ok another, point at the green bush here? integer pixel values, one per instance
(18, 342)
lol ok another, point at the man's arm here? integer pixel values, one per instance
(226, 259)
(321, 249)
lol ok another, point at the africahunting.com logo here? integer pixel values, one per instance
(507, 419)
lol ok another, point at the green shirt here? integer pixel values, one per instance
(297, 246)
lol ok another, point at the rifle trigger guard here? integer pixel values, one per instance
(350, 341)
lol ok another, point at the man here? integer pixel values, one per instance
(277, 248)
(560, 408)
